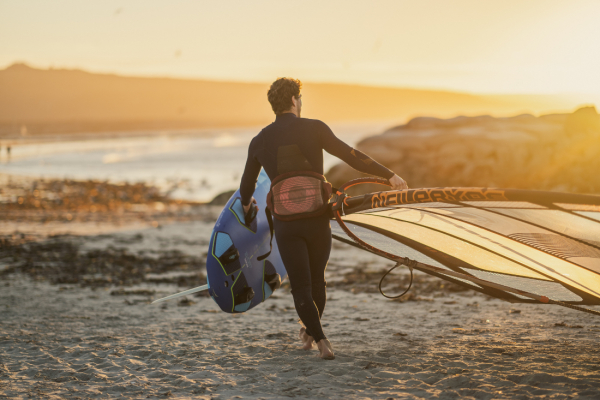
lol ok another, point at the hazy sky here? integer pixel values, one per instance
(521, 46)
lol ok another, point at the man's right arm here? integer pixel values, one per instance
(354, 158)
(357, 159)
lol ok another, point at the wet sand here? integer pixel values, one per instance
(76, 323)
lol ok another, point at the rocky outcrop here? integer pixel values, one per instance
(551, 152)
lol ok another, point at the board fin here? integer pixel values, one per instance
(273, 280)
(245, 295)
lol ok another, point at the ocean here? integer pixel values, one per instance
(190, 165)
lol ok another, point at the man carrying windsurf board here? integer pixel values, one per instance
(291, 152)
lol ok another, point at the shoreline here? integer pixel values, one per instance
(55, 206)
(79, 136)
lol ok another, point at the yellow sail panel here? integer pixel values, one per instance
(471, 254)
(561, 270)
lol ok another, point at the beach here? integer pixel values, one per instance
(77, 320)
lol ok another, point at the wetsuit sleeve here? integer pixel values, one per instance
(354, 158)
(250, 175)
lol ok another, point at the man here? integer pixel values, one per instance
(293, 144)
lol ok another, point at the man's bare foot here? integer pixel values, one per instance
(307, 340)
(325, 349)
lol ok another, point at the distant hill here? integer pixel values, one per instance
(57, 100)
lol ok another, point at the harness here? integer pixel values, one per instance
(296, 195)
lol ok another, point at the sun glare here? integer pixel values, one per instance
(474, 46)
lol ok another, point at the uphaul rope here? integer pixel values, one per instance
(344, 205)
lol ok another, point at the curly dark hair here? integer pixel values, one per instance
(280, 94)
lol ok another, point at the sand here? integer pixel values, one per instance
(98, 336)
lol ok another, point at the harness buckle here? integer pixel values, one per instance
(339, 202)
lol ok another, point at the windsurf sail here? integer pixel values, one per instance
(517, 245)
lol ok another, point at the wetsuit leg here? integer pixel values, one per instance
(319, 249)
(304, 246)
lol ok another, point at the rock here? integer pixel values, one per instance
(584, 121)
(222, 198)
(550, 152)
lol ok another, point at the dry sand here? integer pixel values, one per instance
(99, 337)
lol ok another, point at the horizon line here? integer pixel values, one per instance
(317, 82)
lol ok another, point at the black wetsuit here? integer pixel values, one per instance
(296, 144)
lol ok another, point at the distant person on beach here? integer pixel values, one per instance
(288, 146)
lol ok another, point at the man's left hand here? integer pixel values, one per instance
(246, 208)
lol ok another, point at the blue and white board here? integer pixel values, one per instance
(237, 280)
